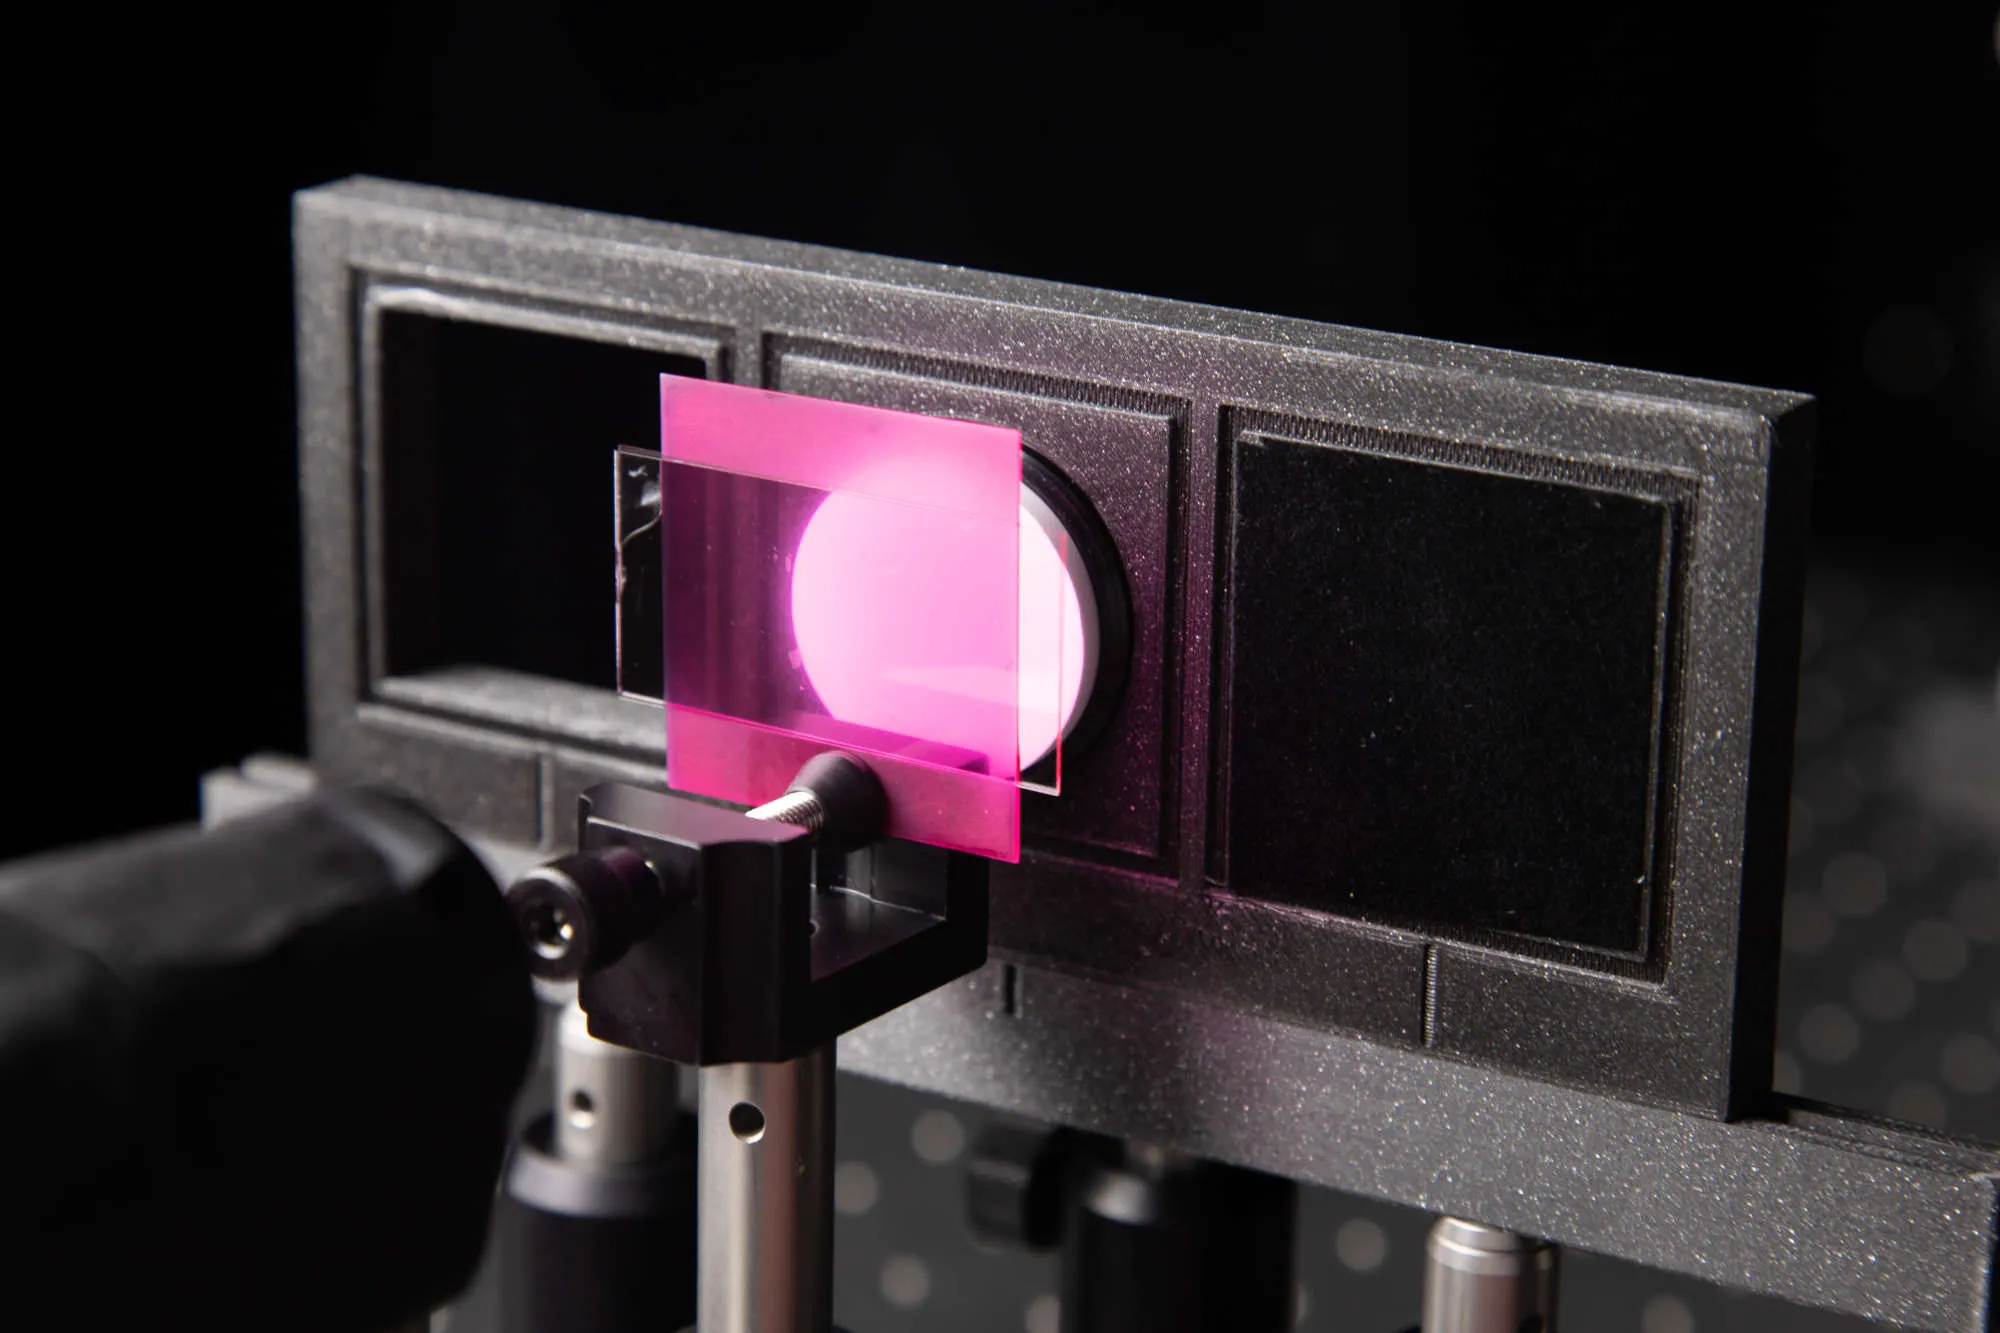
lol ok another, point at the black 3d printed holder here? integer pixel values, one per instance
(1334, 541)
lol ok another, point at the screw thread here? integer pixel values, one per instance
(800, 808)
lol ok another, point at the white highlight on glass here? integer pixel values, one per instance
(1058, 629)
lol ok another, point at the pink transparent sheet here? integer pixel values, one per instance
(843, 576)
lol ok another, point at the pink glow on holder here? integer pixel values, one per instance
(862, 591)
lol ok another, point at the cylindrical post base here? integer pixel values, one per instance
(766, 1246)
(588, 1250)
(1480, 1279)
(597, 1221)
(1158, 1244)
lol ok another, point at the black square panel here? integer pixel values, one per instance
(1445, 687)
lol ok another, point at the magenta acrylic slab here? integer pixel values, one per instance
(838, 576)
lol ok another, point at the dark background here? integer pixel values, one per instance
(1785, 194)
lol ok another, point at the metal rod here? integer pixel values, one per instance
(764, 1174)
(614, 1107)
(1481, 1279)
(766, 1201)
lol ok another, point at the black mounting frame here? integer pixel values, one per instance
(756, 957)
(1143, 405)
(1612, 1098)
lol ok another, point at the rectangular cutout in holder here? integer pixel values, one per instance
(492, 540)
(838, 576)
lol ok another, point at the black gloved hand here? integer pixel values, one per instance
(258, 1075)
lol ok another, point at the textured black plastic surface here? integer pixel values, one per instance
(1145, 406)
(1444, 694)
